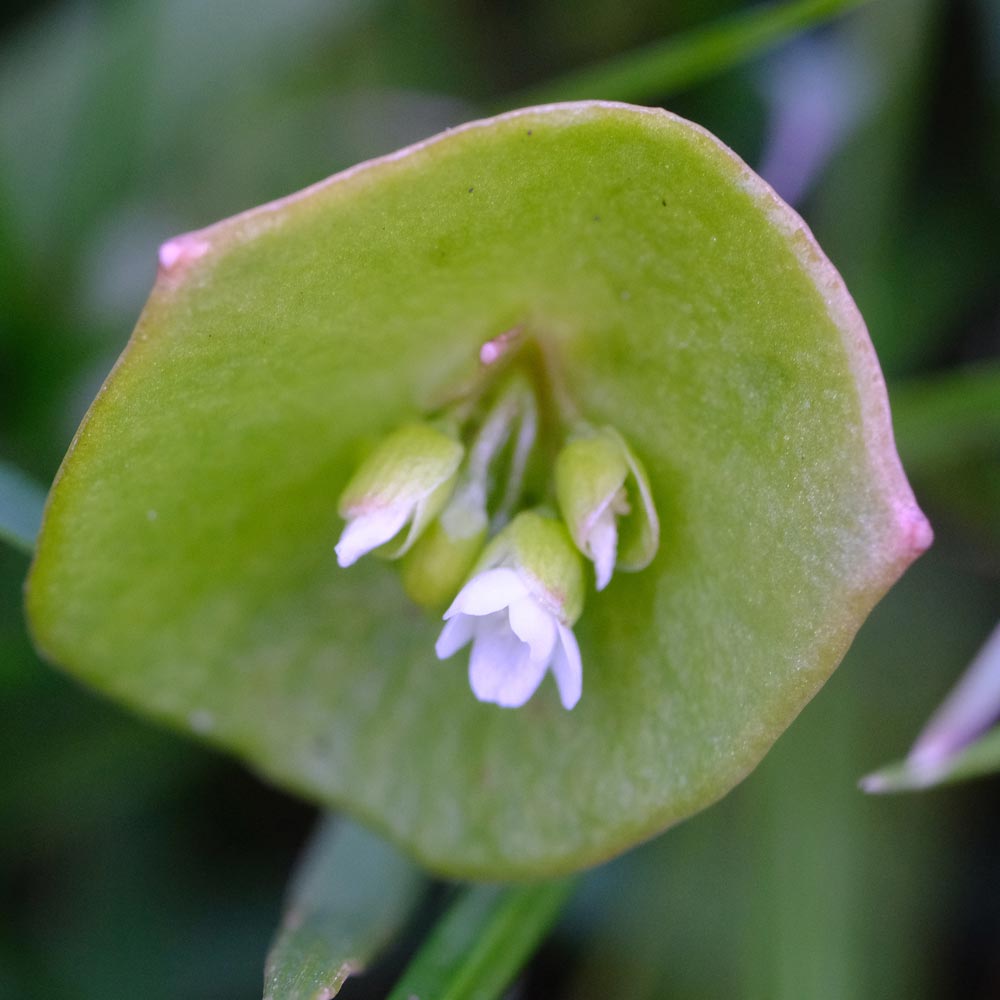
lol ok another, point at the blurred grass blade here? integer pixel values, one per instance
(936, 418)
(952, 745)
(978, 759)
(22, 501)
(681, 61)
(350, 895)
(482, 941)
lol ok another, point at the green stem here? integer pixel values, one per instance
(483, 941)
(680, 61)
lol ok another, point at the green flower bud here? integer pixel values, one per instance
(437, 565)
(604, 497)
(405, 481)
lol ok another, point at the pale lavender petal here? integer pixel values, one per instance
(365, 532)
(971, 708)
(488, 592)
(602, 546)
(534, 625)
(567, 667)
(456, 633)
(501, 668)
(495, 652)
(521, 682)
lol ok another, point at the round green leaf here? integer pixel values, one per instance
(186, 562)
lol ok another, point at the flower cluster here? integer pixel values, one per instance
(486, 524)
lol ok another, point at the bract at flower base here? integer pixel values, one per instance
(186, 562)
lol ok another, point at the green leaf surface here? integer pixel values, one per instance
(186, 567)
(350, 896)
(482, 941)
(682, 61)
(21, 504)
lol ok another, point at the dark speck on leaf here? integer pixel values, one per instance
(529, 131)
(471, 190)
(663, 202)
(597, 218)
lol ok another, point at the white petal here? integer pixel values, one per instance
(521, 683)
(602, 546)
(368, 531)
(501, 668)
(534, 625)
(488, 592)
(567, 667)
(494, 650)
(455, 634)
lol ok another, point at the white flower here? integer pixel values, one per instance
(517, 610)
(406, 480)
(514, 640)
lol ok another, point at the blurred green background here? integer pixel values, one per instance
(134, 863)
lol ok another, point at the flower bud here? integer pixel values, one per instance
(405, 481)
(438, 564)
(604, 497)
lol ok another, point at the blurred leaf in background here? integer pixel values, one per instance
(351, 895)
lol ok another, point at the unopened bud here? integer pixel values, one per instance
(403, 484)
(438, 564)
(605, 500)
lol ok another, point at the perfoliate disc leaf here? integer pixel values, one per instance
(185, 564)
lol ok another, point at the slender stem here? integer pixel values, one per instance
(523, 445)
(515, 405)
(495, 429)
(483, 941)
